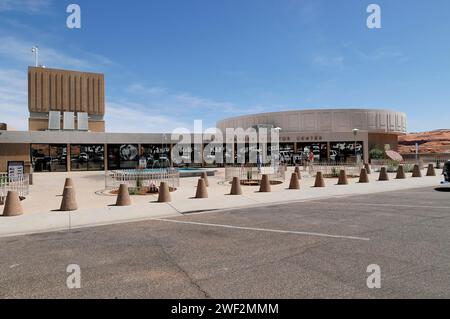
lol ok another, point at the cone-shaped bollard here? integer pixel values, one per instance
(320, 182)
(400, 172)
(297, 171)
(68, 183)
(367, 167)
(12, 205)
(294, 184)
(69, 201)
(383, 175)
(205, 178)
(416, 171)
(202, 192)
(236, 187)
(363, 177)
(123, 197)
(431, 171)
(164, 193)
(265, 184)
(342, 178)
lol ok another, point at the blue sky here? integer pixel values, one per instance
(169, 62)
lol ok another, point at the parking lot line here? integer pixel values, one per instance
(263, 229)
(387, 205)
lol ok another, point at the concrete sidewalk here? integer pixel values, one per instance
(96, 209)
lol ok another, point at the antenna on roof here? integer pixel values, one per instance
(35, 50)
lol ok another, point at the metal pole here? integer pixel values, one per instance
(35, 50)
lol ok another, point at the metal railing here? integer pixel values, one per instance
(137, 179)
(21, 185)
(249, 172)
(334, 168)
(428, 158)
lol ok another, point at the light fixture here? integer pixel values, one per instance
(35, 50)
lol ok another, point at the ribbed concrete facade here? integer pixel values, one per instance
(65, 91)
(324, 121)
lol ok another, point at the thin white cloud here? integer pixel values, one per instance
(18, 49)
(14, 99)
(164, 99)
(329, 61)
(27, 6)
(138, 88)
(135, 118)
(379, 54)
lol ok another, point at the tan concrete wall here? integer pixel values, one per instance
(42, 125)
(324, 121)
(13, 152)
(65, 91)
(378, 139)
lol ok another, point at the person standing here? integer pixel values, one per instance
(258, 161)
(311, 161)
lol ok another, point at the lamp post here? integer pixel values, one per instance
(278, 129)
(355, 134)
(35, 50)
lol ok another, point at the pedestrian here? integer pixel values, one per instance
(258, 161)
(311, 161)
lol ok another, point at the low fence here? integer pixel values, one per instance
(20, 185)
(253, 173)
(428, 158)
(334, 168)
(137, 180)
(392, 166)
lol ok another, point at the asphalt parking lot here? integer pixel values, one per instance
(314, 249)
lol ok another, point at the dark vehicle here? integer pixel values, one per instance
(446, 171)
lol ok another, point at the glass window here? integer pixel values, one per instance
(286, 152)
(58, 158)
(49, 158)
(214, 154)
(157, 155)
(318, 149)
(123, 156)
(78, 158)
(345, 151)
(87, 157)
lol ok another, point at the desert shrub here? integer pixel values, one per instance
(376, 153)
(335, 172)
(392, 166)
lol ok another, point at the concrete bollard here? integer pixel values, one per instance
(383, 175)
(363, 177)
(416, 171)
(297, 171)
(205, 178)
(202, 191)
(367, 167)
(400, 172)
(164, 193)
(265, 184)
(320, 182)
(13, 207)
(294, 184)
(69, 201)
(342, 178)
(431, 171)
(236, 187)
(123, 197)
(68, 183)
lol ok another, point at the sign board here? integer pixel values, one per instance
(142, 163)
(15, 170)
